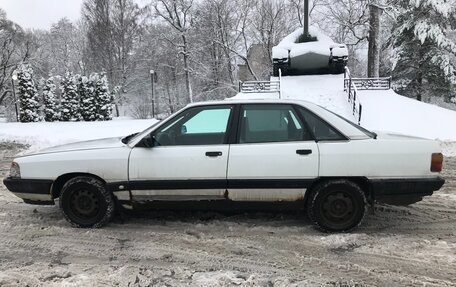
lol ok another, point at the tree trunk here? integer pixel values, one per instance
(419, 76)
(186, 69)
(373, 54)
(170, 102)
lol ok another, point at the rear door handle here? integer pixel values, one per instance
(213, 153)
(304, 151)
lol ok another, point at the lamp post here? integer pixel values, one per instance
(152, 76)
(13, 79)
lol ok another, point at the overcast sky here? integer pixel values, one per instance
(40, 13)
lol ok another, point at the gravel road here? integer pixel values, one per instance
(396, 246)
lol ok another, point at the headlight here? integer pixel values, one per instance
(15, 171)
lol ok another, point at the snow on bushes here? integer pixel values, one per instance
(28, 95)
(103, 98)
(70, 107)
(80, 98)
(86, 91)
(51, 113)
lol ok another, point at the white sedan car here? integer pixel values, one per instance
(235, 150)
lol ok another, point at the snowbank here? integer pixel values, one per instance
(388, 111)
(45, 134)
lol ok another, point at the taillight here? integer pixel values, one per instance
(437, 162)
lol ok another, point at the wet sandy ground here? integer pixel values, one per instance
(395, 246)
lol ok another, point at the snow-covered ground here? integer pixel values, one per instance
(395, 246)
(42, 135)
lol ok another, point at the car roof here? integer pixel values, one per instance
(252, 98)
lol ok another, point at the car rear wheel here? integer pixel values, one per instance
(85, 202)
(336, 205)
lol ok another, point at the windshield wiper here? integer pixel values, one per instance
(127, 138)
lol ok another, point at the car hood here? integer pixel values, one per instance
(83, 145)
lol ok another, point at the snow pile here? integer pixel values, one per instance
(344, 242)
(324, 90)
(388, 111)
(45, 134)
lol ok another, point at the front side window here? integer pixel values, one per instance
(270, 123)
(196, 126)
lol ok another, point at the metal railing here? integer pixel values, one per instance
(370, 83)
(261, 86)
(352, 92)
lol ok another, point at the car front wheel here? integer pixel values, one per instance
(336, 205)
(85, 202)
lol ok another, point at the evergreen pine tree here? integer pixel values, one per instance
(103, 98)
(422, 49)
(28, 95)
(70, 107)
(50, 102)
(87, 99)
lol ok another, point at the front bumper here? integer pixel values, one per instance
(35, 191)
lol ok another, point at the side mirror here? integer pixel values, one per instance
(148, 141)
(183, 129)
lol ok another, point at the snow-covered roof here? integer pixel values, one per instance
(321, 46)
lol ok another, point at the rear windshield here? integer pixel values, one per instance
(360, 128)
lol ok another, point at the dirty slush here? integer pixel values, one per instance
(396, 246)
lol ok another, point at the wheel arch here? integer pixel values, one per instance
(62, 179)
(362, 182)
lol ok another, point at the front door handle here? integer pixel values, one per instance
(213, 153)
(304, 151)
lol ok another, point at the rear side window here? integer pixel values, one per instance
(270, 123)
(320, 129)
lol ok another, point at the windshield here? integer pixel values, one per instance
(134, 136)
(146, 131)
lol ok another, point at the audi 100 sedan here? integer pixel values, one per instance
(235, 150)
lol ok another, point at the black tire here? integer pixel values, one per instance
(332, 67)
(276, 67)
(86, 203)
(340, 68)
(336, 67)
(336, 205)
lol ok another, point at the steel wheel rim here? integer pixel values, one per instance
(84, 203)
(338, 207)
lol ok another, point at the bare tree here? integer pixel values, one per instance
(373, 57)
(100, 49)
(15, 48)
(179, 15)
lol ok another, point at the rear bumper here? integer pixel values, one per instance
(30, 190)
(405, 187)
